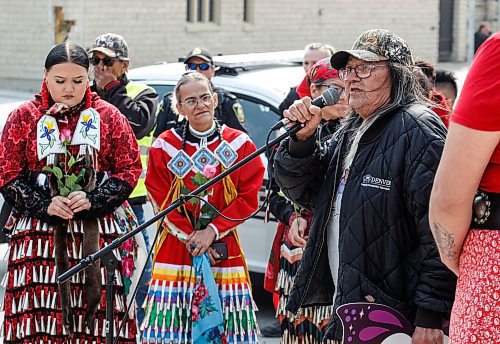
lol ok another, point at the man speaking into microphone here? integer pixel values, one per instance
(370, 239)
(328, 98)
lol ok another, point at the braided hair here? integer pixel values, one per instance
(184, 133)
(218, 128)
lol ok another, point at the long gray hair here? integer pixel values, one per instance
(405, 90)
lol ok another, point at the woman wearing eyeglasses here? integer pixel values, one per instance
(370, 240)
(200, 290)
(294, 221)
(55, 222)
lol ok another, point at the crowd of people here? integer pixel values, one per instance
(382, 200)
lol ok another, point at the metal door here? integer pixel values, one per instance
(445, 29)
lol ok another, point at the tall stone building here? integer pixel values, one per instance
(164, 30)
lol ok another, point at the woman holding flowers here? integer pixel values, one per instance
(197, 294)
(68, 161)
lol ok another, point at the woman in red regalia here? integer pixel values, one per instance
(68, 161)
(179, 161)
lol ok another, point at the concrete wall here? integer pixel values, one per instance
(156, 30)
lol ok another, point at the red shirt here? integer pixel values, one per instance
(442, 111)
(479, 104)
(247, 180)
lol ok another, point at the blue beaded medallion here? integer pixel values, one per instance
(226, 154)
(180, 164)
(202, 157)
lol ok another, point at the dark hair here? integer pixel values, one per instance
(67, 52)
(448, 78)
(423, 80)
(428, 69)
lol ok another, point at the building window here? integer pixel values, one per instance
(248, 9)
(203, 11)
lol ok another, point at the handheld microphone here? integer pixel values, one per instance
(327, 98)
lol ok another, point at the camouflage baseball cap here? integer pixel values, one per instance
(202, 53)
(375, 45)
(112, 45)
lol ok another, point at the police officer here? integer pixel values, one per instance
(139, 103)
(229, 111)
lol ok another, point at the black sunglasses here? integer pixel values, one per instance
(201, 66)
(107, 61)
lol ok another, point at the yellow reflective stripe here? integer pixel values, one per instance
(140, 189)
(144, 150)
(146, 141)
(134, 89)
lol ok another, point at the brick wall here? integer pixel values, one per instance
(156, 30)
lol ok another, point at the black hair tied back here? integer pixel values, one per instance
(67, 52)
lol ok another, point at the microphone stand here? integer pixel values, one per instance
(110, 260)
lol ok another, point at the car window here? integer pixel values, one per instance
(259, 118)
(162, 90)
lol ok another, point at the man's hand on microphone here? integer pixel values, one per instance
(304, 112)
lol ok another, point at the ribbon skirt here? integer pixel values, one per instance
(168, 307)
(32, 306)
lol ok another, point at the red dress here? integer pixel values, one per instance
(168, 309)
(32, 306)
(475, 316)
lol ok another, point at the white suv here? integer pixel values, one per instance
(261, 82)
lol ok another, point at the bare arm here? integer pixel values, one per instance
(465, 157)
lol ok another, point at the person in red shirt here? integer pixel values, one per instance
(465, 201)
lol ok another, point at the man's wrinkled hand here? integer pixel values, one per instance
(427, 336)
(304, 112)
(297, 232)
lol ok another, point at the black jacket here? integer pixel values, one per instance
(281, 208)
(228, 111)
(386, 248)
(140, 111)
